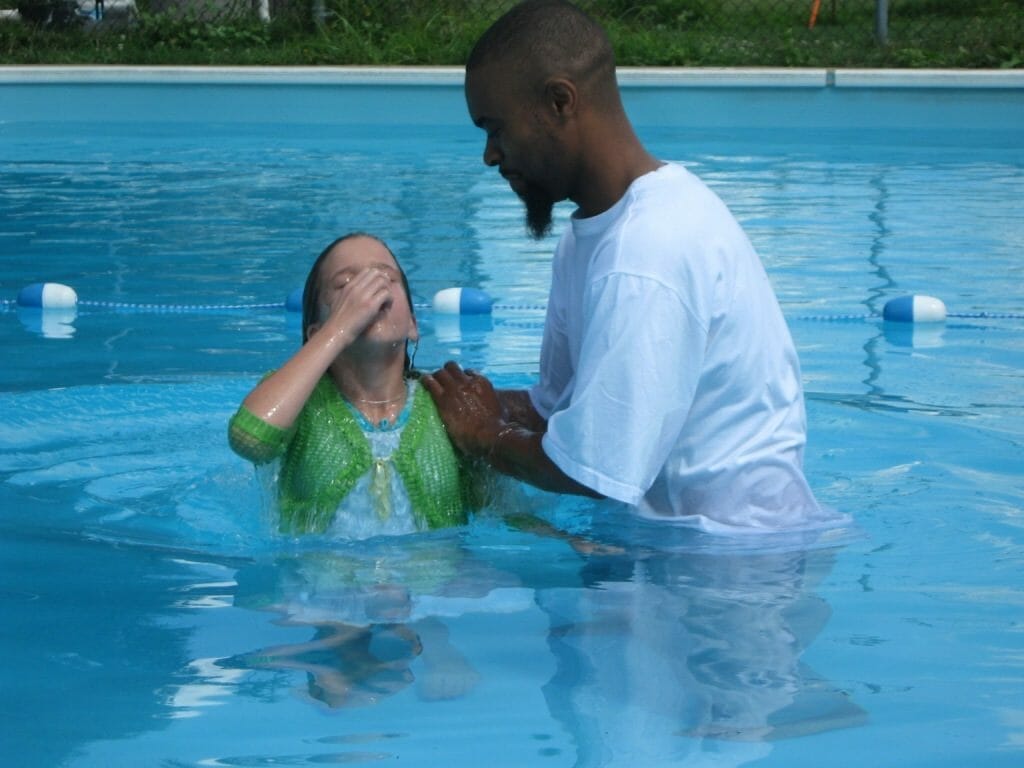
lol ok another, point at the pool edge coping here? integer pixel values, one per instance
(629, 77)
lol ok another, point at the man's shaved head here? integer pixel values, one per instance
(539, 39)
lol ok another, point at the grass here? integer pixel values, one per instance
(922, 33)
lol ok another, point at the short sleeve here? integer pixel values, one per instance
(555, 369)
(640, 360)
(254, 439)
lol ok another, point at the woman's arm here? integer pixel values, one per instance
(279, 398)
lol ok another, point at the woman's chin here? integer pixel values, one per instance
(381, 343)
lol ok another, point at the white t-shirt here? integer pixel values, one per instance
(668, 375)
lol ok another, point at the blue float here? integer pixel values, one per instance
(47, 296)
(462, 301)
(294, 301)
(914, 309)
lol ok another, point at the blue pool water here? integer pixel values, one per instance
(152, 618)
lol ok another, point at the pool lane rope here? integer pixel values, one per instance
(471, 301)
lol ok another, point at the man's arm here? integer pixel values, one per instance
(517, 408)
(480, 423)
(518, 452)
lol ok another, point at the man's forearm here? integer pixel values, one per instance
(518, 409)
(518, 452)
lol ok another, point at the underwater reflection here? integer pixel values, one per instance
(660, 652)
(51, 323)
(657, 655)
(376, 622)
(915, 335)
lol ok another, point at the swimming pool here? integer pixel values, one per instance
(152, 620)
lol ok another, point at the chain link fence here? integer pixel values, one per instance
(660, 32)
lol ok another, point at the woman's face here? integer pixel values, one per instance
(395, 323)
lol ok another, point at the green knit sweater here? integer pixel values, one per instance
(325, 453)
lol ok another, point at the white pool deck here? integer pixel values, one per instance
(651, 77)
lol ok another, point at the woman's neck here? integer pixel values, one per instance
(376, 388)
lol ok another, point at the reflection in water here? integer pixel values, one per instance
(55, 323)
(886, 283)
(656, 655)
(376, 622)
(915, 335)
(348, 665)
(896, 334)
(660, 652)
(881, 234)
(665, 645)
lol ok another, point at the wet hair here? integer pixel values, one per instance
(311, 291)
(544, 38)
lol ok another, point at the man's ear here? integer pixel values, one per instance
(414, 334)
(561, 96)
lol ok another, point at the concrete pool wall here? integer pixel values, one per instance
(699, 99)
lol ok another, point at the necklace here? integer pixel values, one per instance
(377, 402)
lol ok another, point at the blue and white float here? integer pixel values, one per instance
(462, 301)
(47, 296)
(914, 309)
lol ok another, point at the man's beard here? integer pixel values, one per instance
(539, 206)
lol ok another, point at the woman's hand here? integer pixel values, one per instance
(356, 303)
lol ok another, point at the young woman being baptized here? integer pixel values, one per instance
(361, 447)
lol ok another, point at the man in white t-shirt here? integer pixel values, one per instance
(668, 378)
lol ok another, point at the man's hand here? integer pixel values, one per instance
(476, 422)
(469, 407)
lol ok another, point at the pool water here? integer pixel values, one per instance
(154, 618)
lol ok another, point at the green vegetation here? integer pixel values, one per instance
(921, 33)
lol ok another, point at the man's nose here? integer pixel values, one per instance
(492, 154)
